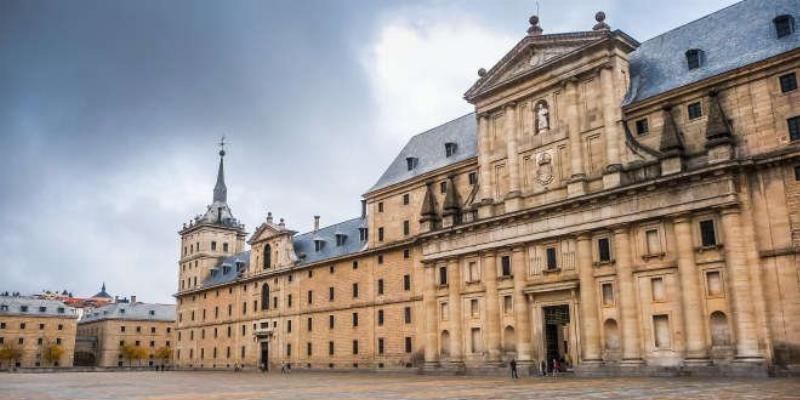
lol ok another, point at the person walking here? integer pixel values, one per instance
(555, 368)
(283, 367)
(513, 365)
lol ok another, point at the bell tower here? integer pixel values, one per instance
(210, 237)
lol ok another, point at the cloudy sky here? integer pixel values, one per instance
(110, 111)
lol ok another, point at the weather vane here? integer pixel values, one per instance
(222, 146)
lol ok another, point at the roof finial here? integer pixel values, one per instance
(601, 25)
(222, 146)
(534, 29)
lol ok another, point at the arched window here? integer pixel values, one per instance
(265, 297)
(267, 256)
(720, 334)
(509, 340)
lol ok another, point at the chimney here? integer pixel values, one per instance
(316, 223)
(363, 208)
(133, 299)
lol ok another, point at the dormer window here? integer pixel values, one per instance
(61, 310)
(4, 307)
(225, 269)
(340, 239)
(784, 25)
(362, 234)
(318, 244)
(23, 308)
(42, 309)
(122, 311)
(450, 149)
(239, 266)
(694, 58)
(152, 312)
(411, 162)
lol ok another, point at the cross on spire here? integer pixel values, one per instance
(222, 146)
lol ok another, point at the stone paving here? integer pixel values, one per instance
(334, 386)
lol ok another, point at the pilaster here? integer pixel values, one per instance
(492, 318)
(611, 126)
(521, 309)
(456, 317)
(590, 327)
(631, 344)
(691, 296)
(513, 195)
(577, 182)
(429, 307)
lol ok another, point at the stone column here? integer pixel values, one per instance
(590, 327)
(512, 159)
(691, 297)
(577, 182)
(522, 313)
(492, 319)
(456, 318)
(741, 296)
(611, 126)
(484, 184)
(631, 347)
(429, 305)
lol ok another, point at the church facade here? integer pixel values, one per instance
(611, 207)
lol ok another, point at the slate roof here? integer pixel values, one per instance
(226, 270)
(428, 148)
(14, 305)
(304, 243)
(730, 38)
(131, 311)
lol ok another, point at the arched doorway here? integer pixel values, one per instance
(612, 348)
(444, 344)
(84, 359)
(720, 334)
(509, 340)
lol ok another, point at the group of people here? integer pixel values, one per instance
(285, 368)
(555, 368)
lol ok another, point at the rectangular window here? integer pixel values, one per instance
(653, 242)
(694, 110)
(331, 321)
(443, 187)
(380, 317)
(707, 233)
(552, 261)
(473, 178)
(213, 246)
(355, 319)
(330, 293)
(444, 311)
(407, 315)
(288, 350)
(355, 346)
(508, 305)
(380, 286)
(794, 128)
(355, 290)
(380, 259)
(443, 275)
(714, 283)
(474, 309)
(310, 297)
(797, 172)
(406, 228)
(505, 264)
(224, 247)
(788, 82)
(661, 334)
(355, 264)
(642, 126)
(406, 282)
(408, 344)
(406, 253)
(380, 206)
(289, 301)
(657, 287)
(608, 294)
(289, 326)
(603, 250)
(473, 272)
(380, 234)
(309, 324)
(308, 348)
(380, 345)
(406, 199)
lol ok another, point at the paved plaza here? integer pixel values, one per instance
(330, 386)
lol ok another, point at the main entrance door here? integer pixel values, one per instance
(556, 334)
(264, 356)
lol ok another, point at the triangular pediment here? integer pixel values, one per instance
(269, 230)
(534, 52)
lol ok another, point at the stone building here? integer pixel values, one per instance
(620, 207)
(103, 333)
(40, 332)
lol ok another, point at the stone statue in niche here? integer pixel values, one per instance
(544, 174)
(542, 116)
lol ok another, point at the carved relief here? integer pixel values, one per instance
(544, 173)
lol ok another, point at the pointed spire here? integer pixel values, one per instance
(429, 205)
(452, 200)
(220, 190)
(717, 127)
(671, 138)
(103, 288)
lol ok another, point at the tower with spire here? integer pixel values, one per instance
(210, 236)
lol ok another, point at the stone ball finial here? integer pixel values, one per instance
(600, 17)
(534, 29)
(482, 72)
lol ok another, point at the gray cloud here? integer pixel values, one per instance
(109, 112)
